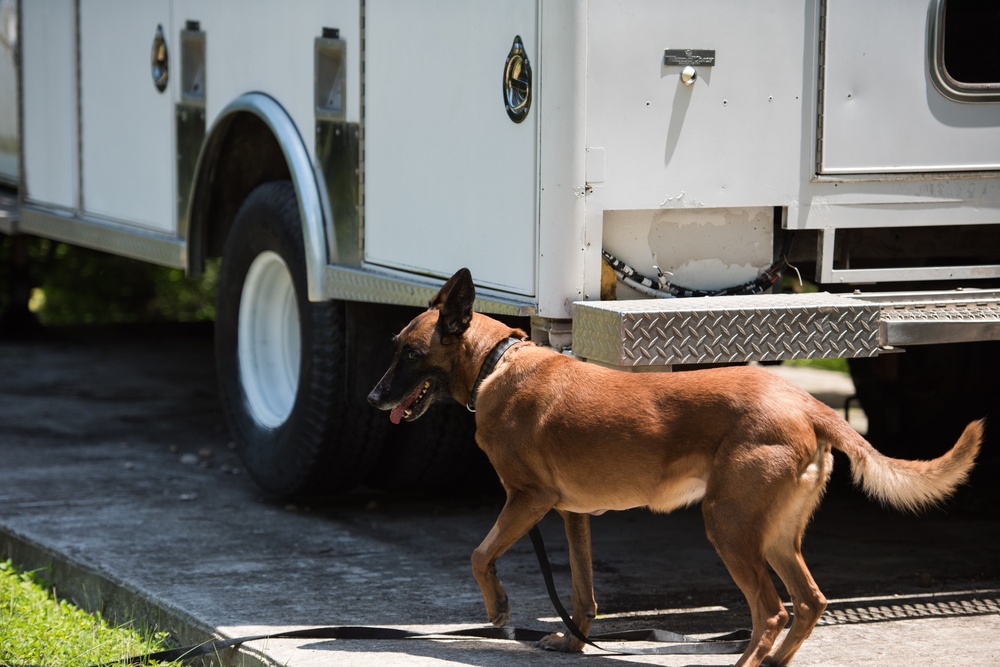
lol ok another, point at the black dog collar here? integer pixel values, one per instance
(490, 363)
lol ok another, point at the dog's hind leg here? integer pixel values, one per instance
(808, 603)
(784, 553)
(767, 613)
(581, 566)
(736, 529)
(522, 510)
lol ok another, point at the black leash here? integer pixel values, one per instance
(734, 642)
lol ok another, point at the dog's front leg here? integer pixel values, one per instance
(522, 510)
(581, 567)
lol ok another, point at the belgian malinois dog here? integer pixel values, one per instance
(571, 436)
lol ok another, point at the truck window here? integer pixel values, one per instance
(965, 51)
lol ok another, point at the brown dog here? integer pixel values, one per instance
(582, 439)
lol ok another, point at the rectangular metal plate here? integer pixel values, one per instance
(664, 332)
(331, 79)
(190, 119)
(685, 57)
(923, 318)
(193, 67)
(338, 153)
(105, 235)
(376, 285)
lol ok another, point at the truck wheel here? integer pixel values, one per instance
(280, 359)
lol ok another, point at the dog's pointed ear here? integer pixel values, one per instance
(454, 302)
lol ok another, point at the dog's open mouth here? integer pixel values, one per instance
(405, 408)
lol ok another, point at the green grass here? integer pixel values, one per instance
(839, 365)
(73, 285)
(36, 628)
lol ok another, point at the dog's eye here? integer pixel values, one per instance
(411, 355)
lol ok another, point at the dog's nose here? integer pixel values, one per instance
(375, 396)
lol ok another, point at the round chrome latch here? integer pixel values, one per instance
(160, 69)
(517, 82)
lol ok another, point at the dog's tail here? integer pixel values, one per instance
(908, 485)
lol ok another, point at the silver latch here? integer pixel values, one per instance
(689, 60)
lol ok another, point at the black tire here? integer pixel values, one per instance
(294, 427)
(436, 455)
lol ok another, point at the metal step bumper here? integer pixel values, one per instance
(652, 334)
(924, 318)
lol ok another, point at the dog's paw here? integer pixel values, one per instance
(500, 615)
(557, 641)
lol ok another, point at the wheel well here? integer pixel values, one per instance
(241, 154)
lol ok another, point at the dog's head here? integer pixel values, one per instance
(423, 366)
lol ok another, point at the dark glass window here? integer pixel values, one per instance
(972, 41)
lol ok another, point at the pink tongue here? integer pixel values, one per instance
(396, 415)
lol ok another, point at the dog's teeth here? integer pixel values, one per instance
(407, 413)
(427, 384)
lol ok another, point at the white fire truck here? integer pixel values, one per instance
(627, 178)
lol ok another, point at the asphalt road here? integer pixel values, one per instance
(117, 476)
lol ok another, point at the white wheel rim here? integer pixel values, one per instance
(269, 345)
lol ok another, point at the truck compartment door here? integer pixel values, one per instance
(450, 179)
(127, 121)
(48, 87)
(881, 109)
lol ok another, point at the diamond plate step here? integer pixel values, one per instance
(651, 333)
(922, 318)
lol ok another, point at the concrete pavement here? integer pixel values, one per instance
(116, 476)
